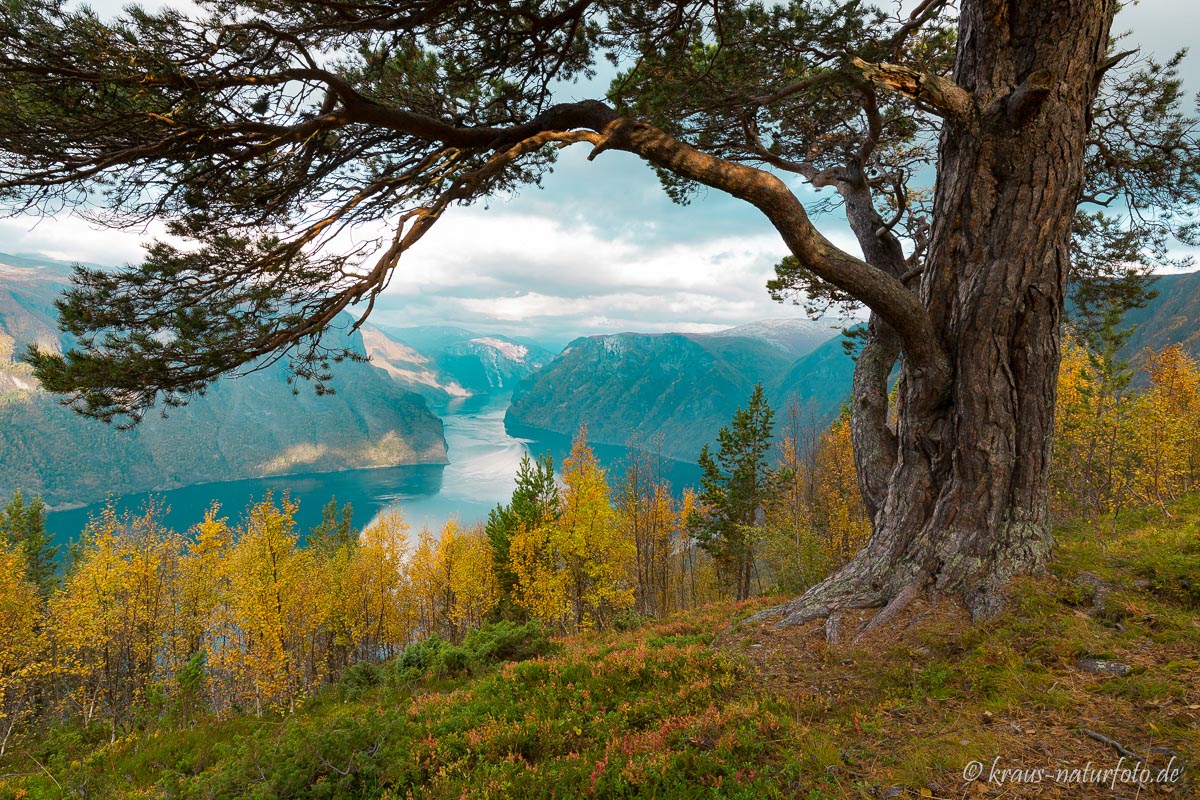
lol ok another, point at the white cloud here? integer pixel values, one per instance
(72, 238)
(600, 249)
(557, 277)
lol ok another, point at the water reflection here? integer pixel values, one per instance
(483, 463)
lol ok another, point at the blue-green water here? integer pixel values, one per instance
(483, 464)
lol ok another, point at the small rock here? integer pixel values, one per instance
(891, 791)
(1104, 666)
(1140, 583)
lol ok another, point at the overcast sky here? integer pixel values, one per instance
(599, 249)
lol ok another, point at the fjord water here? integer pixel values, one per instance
(483, 464)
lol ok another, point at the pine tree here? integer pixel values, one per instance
(534, 501)
(335, 530)
(734, 488)
(973, 146)
(23, 524)
(577, 570)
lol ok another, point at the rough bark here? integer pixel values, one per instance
(966, 506)
(874, 441)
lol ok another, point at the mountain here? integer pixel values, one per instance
(246, 427)
(440, 362)
(681, 388)
(1172, 317)
(675, 389)
(408, 367)
(794, 337)
(819, 381)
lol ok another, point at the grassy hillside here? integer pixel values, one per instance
(1098, 655)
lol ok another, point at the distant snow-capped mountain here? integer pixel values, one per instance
(442, 362)
(796, 337)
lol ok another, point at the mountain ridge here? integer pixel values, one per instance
(443, 362)
(573, 389)
(672, 391)
(247, 427)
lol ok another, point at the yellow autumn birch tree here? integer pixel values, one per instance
(110, 622)
(541, 582)
(382, 622)
(429, 587)
(838, 512)
(579, 570)
(274, 609)
(645, 514)
(1167, 428)
(474, 588)
(21, 663)
(1094, 436)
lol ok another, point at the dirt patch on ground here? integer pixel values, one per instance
(932, 706)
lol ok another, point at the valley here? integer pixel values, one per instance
(434, 424)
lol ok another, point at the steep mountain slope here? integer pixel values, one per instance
(408, 367)
(676, 389)
(1173, 317)
(245, 427)
(442, 362)
(819, 381)
(683, 388)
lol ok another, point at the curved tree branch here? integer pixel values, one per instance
(882, 293)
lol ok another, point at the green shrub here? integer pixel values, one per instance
(360, 676)
(1170, 563)
(417, 658)
(629, 621)
(452, 661)
(506, 641)
(678, 640)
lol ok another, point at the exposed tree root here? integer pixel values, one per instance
(893, 571)
(903, 599)
(847, 589)
(833, 627)
(841, 624)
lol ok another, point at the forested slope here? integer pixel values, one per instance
(245, 427)
(671, 390)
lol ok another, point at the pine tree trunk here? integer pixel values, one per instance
(967, 503)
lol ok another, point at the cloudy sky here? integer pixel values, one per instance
(599, 249)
